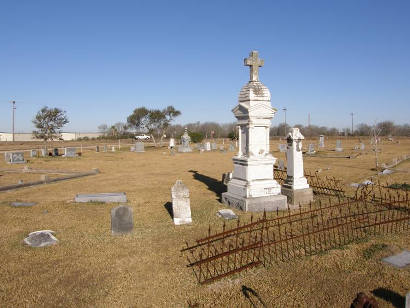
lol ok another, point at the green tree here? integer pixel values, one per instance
(48, 122)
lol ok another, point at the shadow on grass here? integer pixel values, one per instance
(168, 207)
(254, 299)
(390, 296)
(214, 185)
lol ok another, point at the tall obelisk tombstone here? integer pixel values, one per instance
(252, 187)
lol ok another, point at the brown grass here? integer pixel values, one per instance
(90, 267)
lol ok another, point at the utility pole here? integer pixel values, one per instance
(352, 121)
(309, 119)
(14, 108)
(284, 109)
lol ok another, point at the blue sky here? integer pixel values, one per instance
(98, 60)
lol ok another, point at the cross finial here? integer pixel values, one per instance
(254, 63)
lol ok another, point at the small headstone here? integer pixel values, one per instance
(43, 153)
(105, 148)
(171, 143)
(17, 158)
(139, 147)
(226, 214)
(7, 157)
(400, 260)
(356, 147)
(112, 149)
(20, 182)
(97, 148)
(33, 153)
(222, 148)
(231, 148)
(132, 148)
(70, 152)
(362, 146)
(339, 146)
(180, 203)
(55, 152)
(22, 204)
(321, 141)
(207, 146)
(311, 149)
(282, 147)
(226, 177)
(121, 220)
(281, 165)
(213, 146)
(102, 197)
(44, 178)
(41, 238)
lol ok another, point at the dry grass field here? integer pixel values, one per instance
(91, 268)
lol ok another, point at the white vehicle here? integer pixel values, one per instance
(142, 137)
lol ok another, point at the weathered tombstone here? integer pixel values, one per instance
(139, 147)
(207, 146)
(97, 148)
(296, 187)
(226, 177)
(339, 146)
(121, 220)
(105, 148)
(33, 153)
(321, 141)
(17, 158)
(281, 165)
(213, 146)
(282, 147)
(185, 143)
(41, 238)
(55, 152)
(181, 208)
(311, 149)
(231, 148)
(227, 214)
(101, 197)
(70, 152)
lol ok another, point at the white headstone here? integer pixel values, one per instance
(139, 147)
(311, 149)
(339, 146)
(185, 143)
(16, 158)
(70, 152)
(171, 143)
(207, 146)
(321, 141)
(181, 207)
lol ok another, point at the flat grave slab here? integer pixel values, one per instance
(400, 260)
(226, 214)
(41, 238)
(22, 204)
(101, 197)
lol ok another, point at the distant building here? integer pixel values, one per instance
(30, 136)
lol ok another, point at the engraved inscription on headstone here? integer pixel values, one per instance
(17, 158)
(181, 208)
(121, 220)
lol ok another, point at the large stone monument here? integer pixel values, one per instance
(296, 187)
(252, 187)
(185, 141)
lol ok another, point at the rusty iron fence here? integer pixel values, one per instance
(293, 234)
(321, 185)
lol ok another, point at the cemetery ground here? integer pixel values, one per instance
(91, 267)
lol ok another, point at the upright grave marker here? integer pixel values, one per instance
(321, 141)
(139, 147)
(16, 158)
(33, 153)
(207, 146)
(339, 146)
(121, 220)
(70, 152)
(253, 187)
(181, 208)
(185, 143)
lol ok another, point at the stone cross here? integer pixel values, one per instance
(254, 63)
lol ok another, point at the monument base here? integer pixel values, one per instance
(182, 221)
(298, 196)
(255, 204)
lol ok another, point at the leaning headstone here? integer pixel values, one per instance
(181, 208)
(207, 146)
(17, 158)
(400, 260)
(121, 220)
(339, 146)
(70, 152)
(33, 153)
(22, 204)
(139, 147)
(41, 238)
(55, 152)
(227, 214)
(321, 141)
(282, 147)
(102, 197)
(311, 149)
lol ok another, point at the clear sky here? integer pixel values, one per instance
(98, 60)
